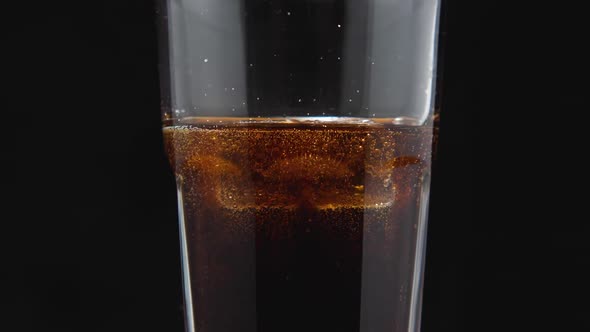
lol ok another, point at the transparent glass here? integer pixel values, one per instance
(300, 133)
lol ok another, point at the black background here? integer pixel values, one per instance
(92, 213)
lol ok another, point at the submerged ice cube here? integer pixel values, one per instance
(310, 168)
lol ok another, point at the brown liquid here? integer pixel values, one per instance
(300, 225)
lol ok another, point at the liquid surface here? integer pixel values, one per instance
(304, 224)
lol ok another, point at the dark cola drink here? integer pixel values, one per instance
(301, 224)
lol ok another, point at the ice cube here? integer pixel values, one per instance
(219, 180)
(213, 166)
(310, 180)
(307, 168)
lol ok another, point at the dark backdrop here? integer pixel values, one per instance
(92, 208)
(93, 197)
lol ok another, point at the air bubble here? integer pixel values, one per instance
(205, 60)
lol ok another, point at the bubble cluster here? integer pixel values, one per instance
(289, 162)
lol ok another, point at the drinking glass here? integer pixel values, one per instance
(300, 134)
